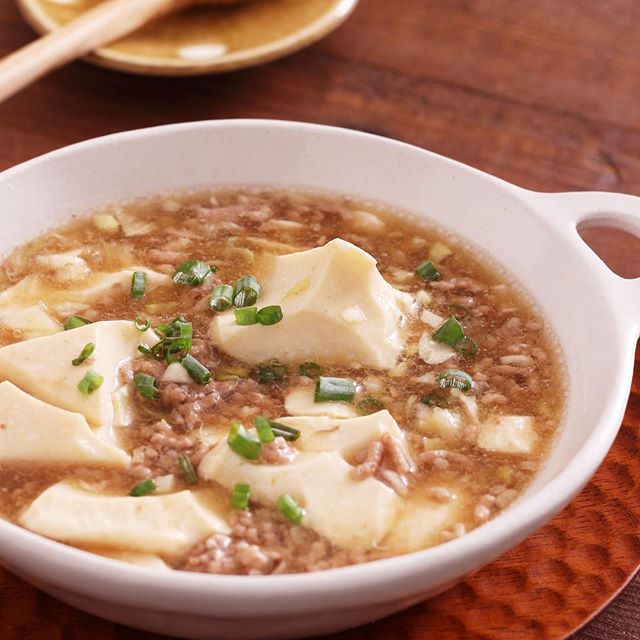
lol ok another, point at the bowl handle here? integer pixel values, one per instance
(569, 210)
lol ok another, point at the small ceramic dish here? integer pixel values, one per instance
(594, 314)
(206, 39)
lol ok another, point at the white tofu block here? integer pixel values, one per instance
(31, 320)
(508, 434)
(433, 352)
(166, 524)
(350, 513)
(42, 366)
(31, 430)
(318, 291)
(345, 437)
(421, 521)
(34, 289)
(438, 422)
(300, 402)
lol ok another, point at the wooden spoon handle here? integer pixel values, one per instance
(106, 22)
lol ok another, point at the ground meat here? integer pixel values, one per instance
(277, 452)
(154, 368)
(186, 402)
(400, 461)
(442, 459)
(262, 542)
(370, 459)
(163, 446)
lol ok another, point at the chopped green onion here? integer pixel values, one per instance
(246, 291)
(270, 371)
(466, 347)
(191, 273)
(176, 340)
(240, 496)
(451, 332)
(435, 400)
(310, 369)
(246, 316)
(146, 386)
(86, 352)
(189, 472)
(143, 489)
(263, 427)
(269, 315)
(427, 271)
(455, 379)
(141, 324)
(458, 311)
(221, 297)
(74, 322)
(335, 389)
(138, 284)
(369, 405)
(90, 382)
(196, 369)
(243, 443)
(291, 510)
(143, 348)
(282, 431)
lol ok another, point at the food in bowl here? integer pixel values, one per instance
(252, 381)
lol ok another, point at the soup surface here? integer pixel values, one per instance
(261, 381)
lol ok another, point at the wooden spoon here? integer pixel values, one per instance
(108, 21)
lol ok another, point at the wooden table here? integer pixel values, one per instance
(545, 94)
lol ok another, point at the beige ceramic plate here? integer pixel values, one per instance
(204, 40)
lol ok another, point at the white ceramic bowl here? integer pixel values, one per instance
(594, 313)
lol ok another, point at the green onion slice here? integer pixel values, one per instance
(175, 340)
(263, 427)
(243, 443)
(270, 371)
(291, 510)
(141, 324)
(246, 291)
(143, 489)
(435, 400)
(427, 271)
(138, 284)
(269, 315)
(240, 496)
(74, 322)
(466, 347)
(143, 348)
(451, 332)
(455, 379)
(246, 316)
(221, 297)
(146, 386)
(196, 369)
(282, 431)
(310, 369)
(90, 382)
(369, 405)
(335, 389)
(191, 273)
(86, 352)
(189, 472)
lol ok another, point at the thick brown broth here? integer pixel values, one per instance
(234, 230)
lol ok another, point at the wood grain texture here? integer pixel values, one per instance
(542, 93)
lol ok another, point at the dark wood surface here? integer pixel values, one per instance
(545, 94)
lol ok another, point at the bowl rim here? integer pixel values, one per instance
(108, 58)
(135, 584)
